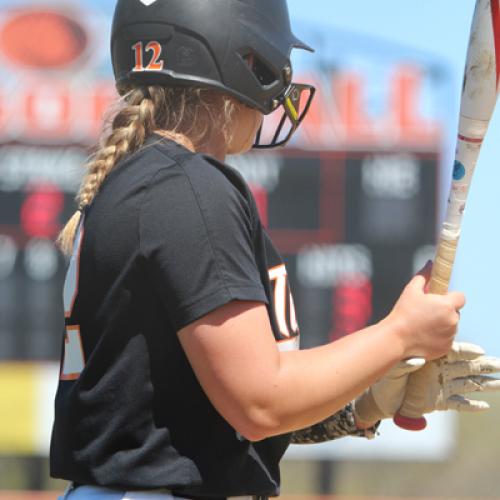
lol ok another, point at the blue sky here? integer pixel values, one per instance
(436, 26)
(439, 29)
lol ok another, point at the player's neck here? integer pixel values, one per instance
(215, 147)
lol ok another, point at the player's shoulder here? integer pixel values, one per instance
(197, 189)
(204, 175)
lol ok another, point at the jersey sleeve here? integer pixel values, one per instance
(196, 236)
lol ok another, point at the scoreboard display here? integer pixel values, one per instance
(37, 190)
(352, 227)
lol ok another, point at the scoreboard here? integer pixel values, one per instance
(351, 226)
(37, 189)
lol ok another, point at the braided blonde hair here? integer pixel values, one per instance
(179, 113)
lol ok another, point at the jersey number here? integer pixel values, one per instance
(278, 276)
(155, 64)
(73, 360)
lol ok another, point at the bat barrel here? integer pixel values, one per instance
(479, 96)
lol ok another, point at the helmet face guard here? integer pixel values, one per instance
(294, 103)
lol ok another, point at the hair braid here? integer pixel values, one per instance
(178, 112)
(129, 128)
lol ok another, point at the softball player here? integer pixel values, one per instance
(180, 374)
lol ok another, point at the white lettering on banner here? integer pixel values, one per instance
(391, 176)
(40, 259)
(262, 170)
(327, 265)
(22, 166)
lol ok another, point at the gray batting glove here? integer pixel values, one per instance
(384, 398)
(441, 384)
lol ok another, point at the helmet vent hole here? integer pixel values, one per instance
(260, 69)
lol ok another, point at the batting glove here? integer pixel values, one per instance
(384, 398)
(441, 384)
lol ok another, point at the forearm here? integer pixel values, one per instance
(313, 384)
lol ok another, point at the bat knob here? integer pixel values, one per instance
(410, 424)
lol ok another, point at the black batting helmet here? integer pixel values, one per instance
(241, 47)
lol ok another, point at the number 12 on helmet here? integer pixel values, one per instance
(155, 63)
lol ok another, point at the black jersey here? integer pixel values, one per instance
(170, 236)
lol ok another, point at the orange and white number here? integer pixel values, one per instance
(287, 323)
(73, 360)
(155, 63)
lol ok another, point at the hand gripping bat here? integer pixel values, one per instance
(479, 95)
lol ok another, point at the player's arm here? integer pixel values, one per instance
(262, 392)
